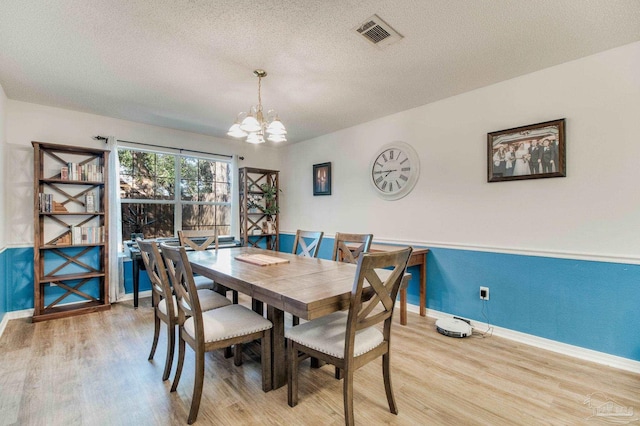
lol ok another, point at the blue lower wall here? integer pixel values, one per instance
(3, 284)
(589, 304)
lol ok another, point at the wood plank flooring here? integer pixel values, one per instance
(93, 370)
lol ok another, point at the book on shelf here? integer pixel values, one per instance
(81, 235)
(45, 202)
(90, 202)
(84, 172)
(64, 173)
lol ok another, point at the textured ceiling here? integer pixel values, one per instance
(188, 64)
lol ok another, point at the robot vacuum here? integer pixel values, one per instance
(454, 327)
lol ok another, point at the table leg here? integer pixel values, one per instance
(136, 280)
(278, 352)
(403, 306)
(423, 287)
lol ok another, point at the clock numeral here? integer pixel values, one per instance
(384, 185)
(385, 158)
(379, 179)
(398, 185)
(390, 186)
(405, 169)
(391, 155)
(404, 178)
(378, 172)
(378, 164)
(403, 161)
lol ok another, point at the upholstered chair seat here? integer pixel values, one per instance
(228, 322)
(327, 335)
(208, 300)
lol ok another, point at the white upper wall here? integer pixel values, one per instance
(3, 175)
(593, 212)
(26, 122)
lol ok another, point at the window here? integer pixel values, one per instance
(151, 205)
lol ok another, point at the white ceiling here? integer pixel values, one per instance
(188, 64)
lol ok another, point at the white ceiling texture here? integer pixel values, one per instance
(188, 64)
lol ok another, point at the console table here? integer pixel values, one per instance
(418, 258)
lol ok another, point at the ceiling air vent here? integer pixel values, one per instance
(378, 32)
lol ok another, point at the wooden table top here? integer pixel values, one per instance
(306, 287)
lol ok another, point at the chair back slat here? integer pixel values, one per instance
(181, 277)
(342, 252)
(154, 264)
(187, 237)
(307, 243)
(376, 305)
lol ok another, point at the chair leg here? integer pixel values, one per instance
(171, 344)
(228, 352)
(295, 320)
(386, 374)
(237, 355)
(348, 398)
(198, 381)
(181, 348)
(292, 374)
(234, 297)
(265, 361)
(339, 374)
(156, 333)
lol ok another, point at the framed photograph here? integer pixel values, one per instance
(528, 152)
(322, 179)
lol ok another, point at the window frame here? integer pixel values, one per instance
(177, 202)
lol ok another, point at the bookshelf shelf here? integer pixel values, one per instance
(71, 245)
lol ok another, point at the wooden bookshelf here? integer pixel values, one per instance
(71, 238)
(252, 233)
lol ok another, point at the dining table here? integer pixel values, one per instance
(303, 286)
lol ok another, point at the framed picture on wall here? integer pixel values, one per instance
(322, 179)
(528, 152)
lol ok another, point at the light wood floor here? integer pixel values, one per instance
(93, 370)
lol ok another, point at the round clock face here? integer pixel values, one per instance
(394, 170)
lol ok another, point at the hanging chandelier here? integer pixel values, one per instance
(255, 125)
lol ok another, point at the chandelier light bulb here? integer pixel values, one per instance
(277, 138)
(276, 128)
(255, 138)
(236, 132)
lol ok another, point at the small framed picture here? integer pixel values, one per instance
(322, 179)
(528, 152)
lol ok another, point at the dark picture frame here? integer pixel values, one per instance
(528, 152)
(322, 179)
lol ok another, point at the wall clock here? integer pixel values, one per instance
(394, 170)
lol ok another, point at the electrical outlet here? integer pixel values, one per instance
(484, 293)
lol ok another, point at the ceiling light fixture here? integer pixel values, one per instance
(253, 125)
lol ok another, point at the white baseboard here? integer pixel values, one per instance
(129, 296)
(25, 313)
(542, 343)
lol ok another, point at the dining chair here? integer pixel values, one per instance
(306, 244)
(206, 331)
(201, 240)
(164, 302)
(343, 253)
(351, 339)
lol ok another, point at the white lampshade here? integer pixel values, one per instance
(255, 138)
(276, 128)
(236, 132)
(250, 124)
(277, 138)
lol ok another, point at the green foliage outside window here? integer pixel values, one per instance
(148, 193)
